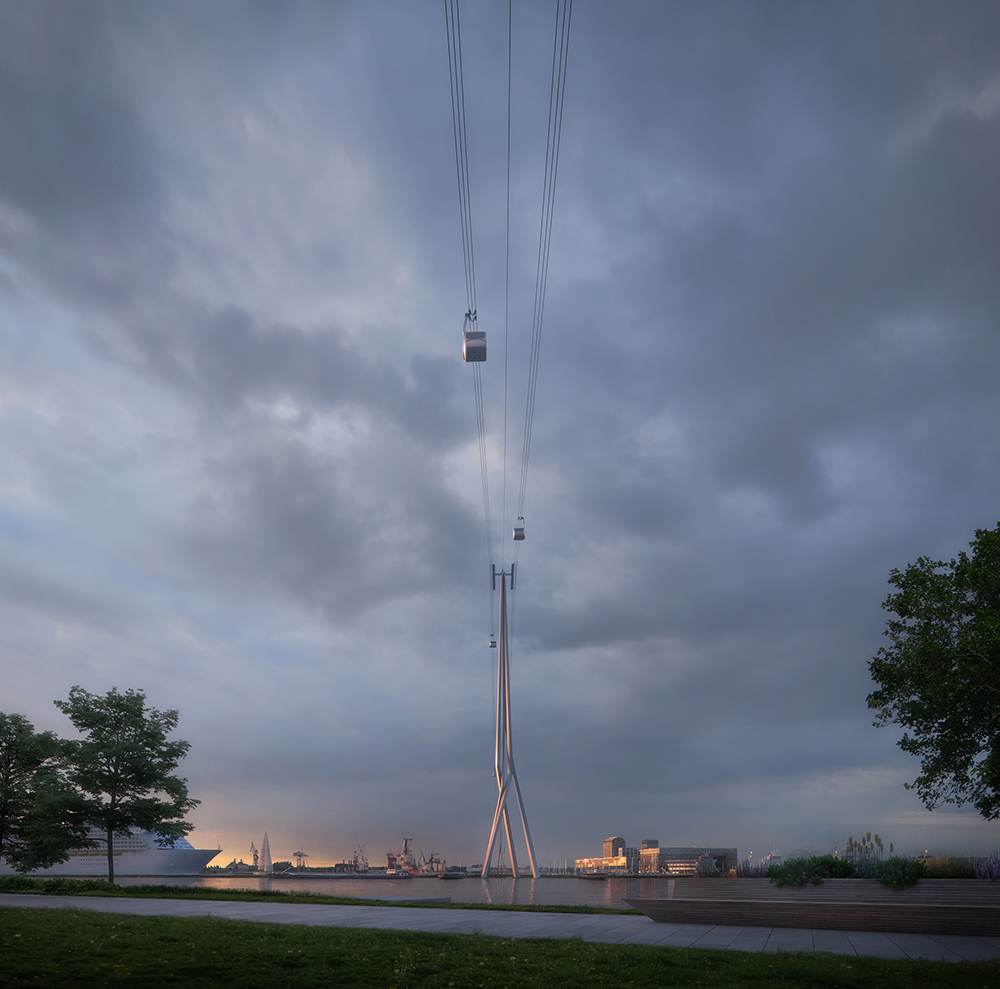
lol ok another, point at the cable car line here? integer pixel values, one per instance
(484, 470)
(557, 95)
(454, 31)
(474, 351)
(473, 339)
(506, 280)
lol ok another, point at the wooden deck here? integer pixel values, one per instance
(933, 906)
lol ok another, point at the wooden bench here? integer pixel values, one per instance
(933, 906)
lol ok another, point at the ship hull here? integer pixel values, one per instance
(139, 855)
(153, 862)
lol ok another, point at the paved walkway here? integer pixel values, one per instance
(608, 928)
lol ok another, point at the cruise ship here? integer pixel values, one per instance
(135, 854)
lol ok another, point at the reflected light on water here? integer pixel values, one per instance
(546, 891)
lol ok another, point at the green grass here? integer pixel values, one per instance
(100, 887)
(74, 948)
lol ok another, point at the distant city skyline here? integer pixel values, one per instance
(239, 461)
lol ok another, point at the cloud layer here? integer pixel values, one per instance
(238, 442)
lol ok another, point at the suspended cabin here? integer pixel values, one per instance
(519, 529)
(493, 642)
(473, 346)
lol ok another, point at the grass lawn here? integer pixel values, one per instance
(74, 948)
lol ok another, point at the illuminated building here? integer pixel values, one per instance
(684, 861)
(613, 847)
(653, 860)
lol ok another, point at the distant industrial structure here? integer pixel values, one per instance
(404, 861)
(620, 860)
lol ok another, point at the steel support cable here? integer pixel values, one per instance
(512, 607)
(506, 287)
(556, 99)
(481, 427)
(457, 82)
(557, 94)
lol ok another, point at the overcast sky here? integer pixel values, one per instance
(238, 458)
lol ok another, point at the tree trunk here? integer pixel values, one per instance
(111, 857)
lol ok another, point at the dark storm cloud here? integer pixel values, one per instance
(727, 85)
(769, 374)
(226, 360)
(76, 156)
(84, 164)
(279, 511)
(815, 337)
(840, 306)
(287, 520)
(57, 601)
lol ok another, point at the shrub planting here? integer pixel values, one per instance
(798, 872)
(899, 871)
(865, 854)
(894, 871)
(950, 868)
(708, 868)
(751, 870)
(57, 886)
(989, 868)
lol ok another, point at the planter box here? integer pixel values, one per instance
(933, 906)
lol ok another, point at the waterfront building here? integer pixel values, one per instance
(614, 846)
(683, 861)
(651, 859)
(623, 865)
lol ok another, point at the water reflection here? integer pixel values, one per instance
(499, 892)
(547, 891)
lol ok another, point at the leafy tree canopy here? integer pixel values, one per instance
(940, 678)
(41, 816)
(125, 764)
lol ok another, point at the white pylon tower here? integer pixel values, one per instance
(503, 761)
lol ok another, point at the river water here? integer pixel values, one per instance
(547, 891)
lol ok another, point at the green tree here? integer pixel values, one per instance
(124, 765)
(41, 816)
(940, 678)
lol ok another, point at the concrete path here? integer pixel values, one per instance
(608, 928)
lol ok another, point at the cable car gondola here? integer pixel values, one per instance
(473, 341)
(473, 346)
(519, 529)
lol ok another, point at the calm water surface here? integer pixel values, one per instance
(545, 891)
